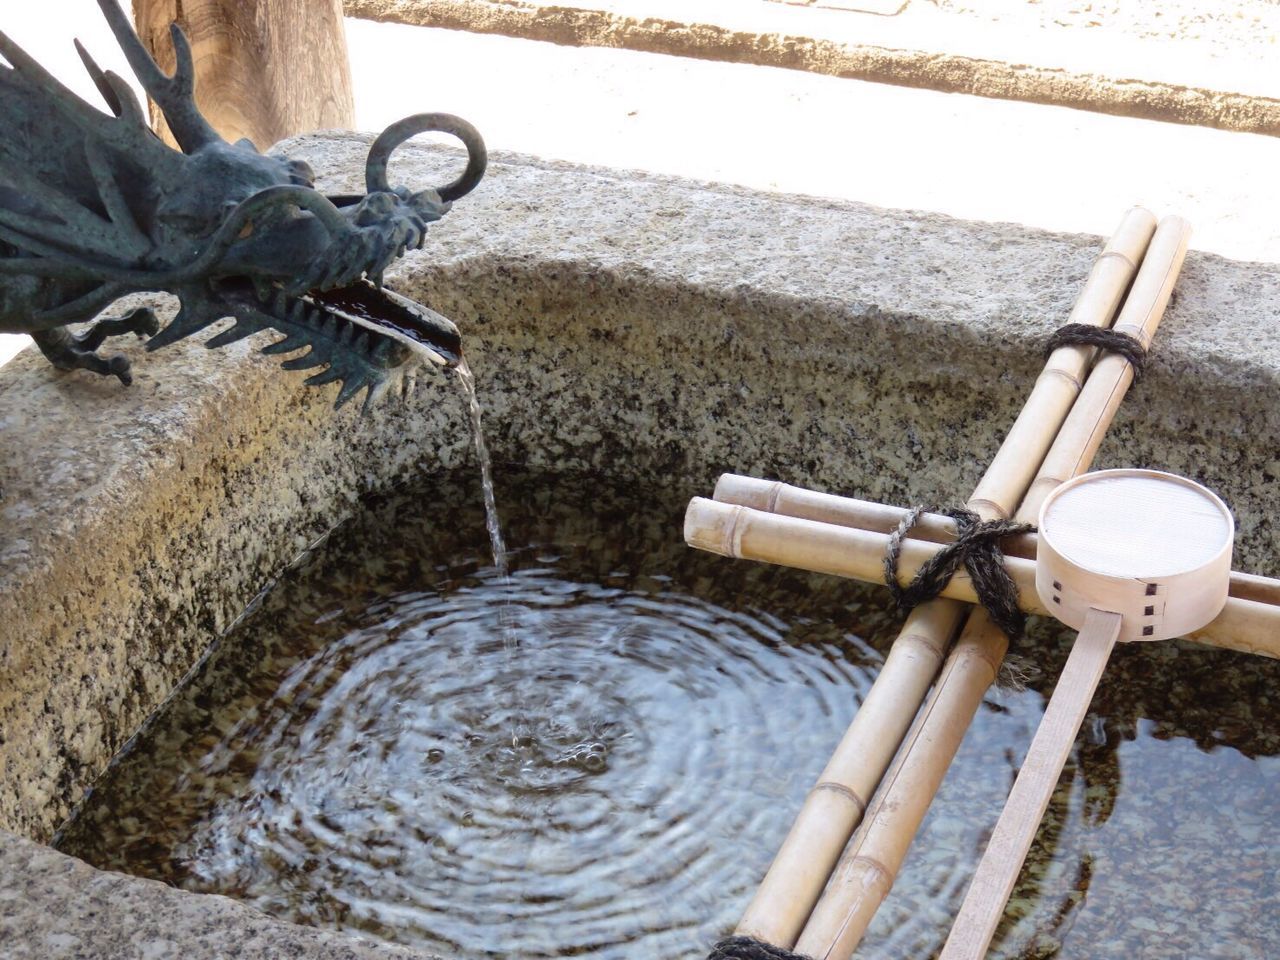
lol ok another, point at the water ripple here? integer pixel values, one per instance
(600, 757)
(534, 766)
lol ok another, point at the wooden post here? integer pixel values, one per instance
(265, 69)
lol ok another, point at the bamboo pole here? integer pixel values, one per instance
(773, 496)
(836, 804)
(1006, 852)
(867, 870)
(783, 499)
(1248, 626)
(851, 552)
(1250, 586)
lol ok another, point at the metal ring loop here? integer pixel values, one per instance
(398, 133)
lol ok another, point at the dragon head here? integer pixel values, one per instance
(232, 232)
(309, 265)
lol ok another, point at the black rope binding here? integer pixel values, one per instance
(749, 948)
(977, 547)
(1087, 335)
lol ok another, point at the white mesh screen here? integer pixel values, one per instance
(1136, 526)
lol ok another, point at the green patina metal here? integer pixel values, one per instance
(94, 206)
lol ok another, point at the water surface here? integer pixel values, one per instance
(370, 751)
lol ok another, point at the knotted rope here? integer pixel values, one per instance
(749, 948)
(977, 547)
(1087, 335)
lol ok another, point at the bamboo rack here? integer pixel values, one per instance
(836, 804)
(772, 496)
(866, 871)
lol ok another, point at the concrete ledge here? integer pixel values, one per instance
(619, 323)
(922, 48)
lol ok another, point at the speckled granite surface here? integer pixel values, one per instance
(616, 322)
(54, 907)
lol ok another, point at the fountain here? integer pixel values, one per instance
(633, 333)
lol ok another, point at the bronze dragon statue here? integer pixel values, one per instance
(94, 206)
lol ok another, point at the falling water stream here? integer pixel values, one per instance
(520, 735)
(467, 380)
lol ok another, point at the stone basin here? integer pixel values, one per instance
(618, 323)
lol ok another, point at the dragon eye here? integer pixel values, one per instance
(301, 174)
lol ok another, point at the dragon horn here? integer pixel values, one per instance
(174, 95)
(375, 170)
(116, 91)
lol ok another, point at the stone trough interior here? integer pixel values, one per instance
(620, 325)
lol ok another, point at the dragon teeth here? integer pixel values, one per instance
(349, 389)
(327, 376)
(287, 345)
(313, 358)
(237, 331)
(375, 395)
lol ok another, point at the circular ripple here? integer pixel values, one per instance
(365, 752)
(533, 767)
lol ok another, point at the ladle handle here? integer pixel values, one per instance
(993, 882)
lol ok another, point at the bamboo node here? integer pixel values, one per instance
(832, 786)
(971, 649)
(733, 535)
(933, 645)
(771, 504)
(1128, 261)
(875, 871)
(997, 510)
(1051, 373)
